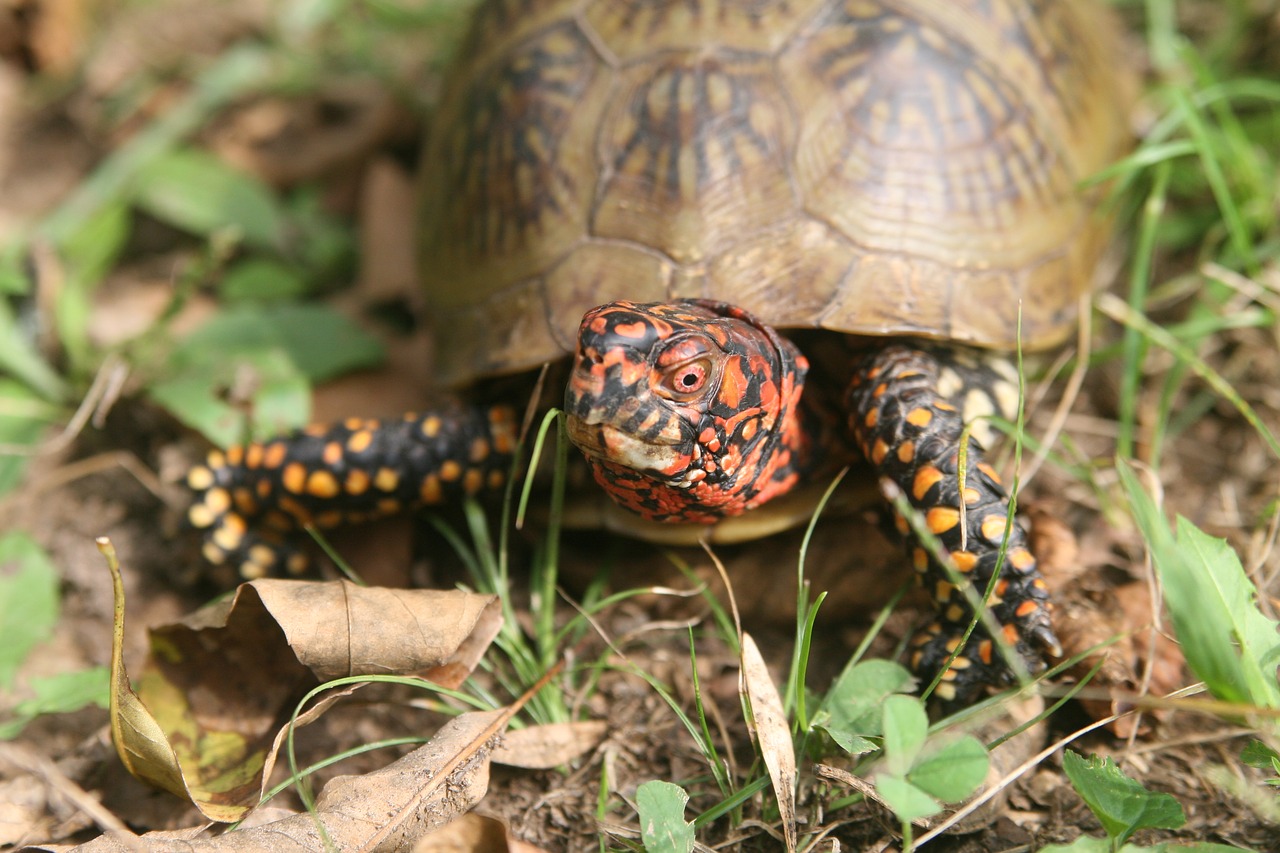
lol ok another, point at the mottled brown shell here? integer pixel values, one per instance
(875, 167)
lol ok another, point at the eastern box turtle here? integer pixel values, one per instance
(900, 178)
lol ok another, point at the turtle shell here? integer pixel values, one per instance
(875, 167)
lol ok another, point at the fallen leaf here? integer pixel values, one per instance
(1103, 615)
(474, 833)
(387, 810)
(550, 745)
(772, 734)
(216, 694)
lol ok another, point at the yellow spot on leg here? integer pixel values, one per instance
(201, 516)
(993, 527)
(919, 417)
(359, 441)
(941, 519)
(879, 451)
(942, 591)
(275, 456)
(294, 477)
(1021, 559)
(332, 454)
(386, 480)
(357, 482)
(926, 478)
(199, 478)
(322, 484)
(217, 500)
(430, 491)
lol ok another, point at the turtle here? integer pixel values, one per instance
(763, 238)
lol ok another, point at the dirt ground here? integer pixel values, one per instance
(119, 476)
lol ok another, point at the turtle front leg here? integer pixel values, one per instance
(251, 501)
(910, 430)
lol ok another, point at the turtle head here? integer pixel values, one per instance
(686, 411)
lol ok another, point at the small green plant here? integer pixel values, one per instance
(1228, 642)
(1123, 807)
(663, 828)
(28, 616)
(919, 773)
(1260, 755)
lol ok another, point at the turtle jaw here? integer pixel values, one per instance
(604, 442)
(624, 427)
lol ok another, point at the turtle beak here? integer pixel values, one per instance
(606, 418)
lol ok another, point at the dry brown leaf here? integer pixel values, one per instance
(215, 696)
(1106, 618)
(769, 725)
(387, 810)
(286, 141)
(550, 745)
(474, 833)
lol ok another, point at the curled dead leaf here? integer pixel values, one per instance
(216, 693)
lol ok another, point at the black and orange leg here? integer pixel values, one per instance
(251, 501)
(911, 432)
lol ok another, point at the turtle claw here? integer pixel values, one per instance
(1042, 637)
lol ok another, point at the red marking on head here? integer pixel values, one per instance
(733, 383)
(631, 330)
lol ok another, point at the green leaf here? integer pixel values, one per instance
(18, 358)
(88, 254)
(261, 280)
(1227, 641)
(855, 702)
(663, 828)
(59, 694)
(1083, 844)
(280, 398)
(198, 193)
(28, 601)
(1258, 754)
(1122, 805)
(905, 728)
(952, 772)
(321, 342)
(23, 419)
(91, 250)
(850, 742)
(267, 354)
(1086, 844)
(1215, 575)
(908, 802)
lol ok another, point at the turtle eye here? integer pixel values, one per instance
(687, 379)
